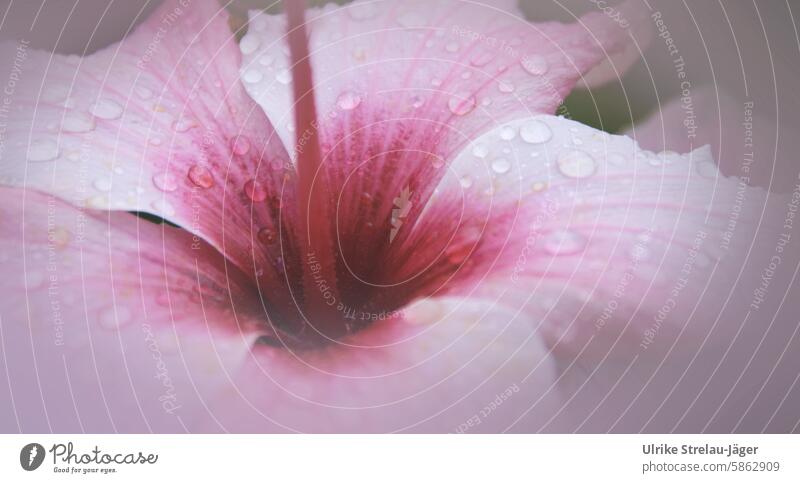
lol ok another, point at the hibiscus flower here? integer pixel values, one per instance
(375, 223)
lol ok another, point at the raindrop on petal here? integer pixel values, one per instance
(77, 123)
(102, 184)
(200, 177)
(481, 59)
(535, 132)
(480, 150)
(506, 87)
(461, 105)
(348, 100)
(507, 133)
(284, 76)
(501, 166)
(114, 317)
(465, 181)
(42, 150)
(266, 236)
(165, 181)
(106, 109)
(535, 65)
(240, 145)
(564, 242)
(255, 191)
(576, 164)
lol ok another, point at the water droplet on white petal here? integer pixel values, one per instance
(249, 44)
(42, 150)
(165, 181)
(535, 65)
(501, 166)
(284, 76)
(576, 164)
(461, 105)
(564, 242)
(480, 150)
(465, 181)
(347, 101)
(507, 133)
(106, 109)
(535, 132)
(102, 184)
(77, 123)
(114, 317)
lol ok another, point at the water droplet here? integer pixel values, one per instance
(201, 177)
(255, 190)
(452, 47)
(240, 145)
(564, 242)
(348, 100)
(77, 123)
(165, 181)
(501, 166)
(253, 76)
(106, 109)
(266, 236)
(707, 169)
(480, 150)
(534, 65)
(249, 44)
(266, 60)
(576, 164)
(436, 82)
(461, 105)
(505, 87)
(284, 76)
(465, 181)
(183, 124)
(114, 317)
(507, 133)
(42, 150)
(535, 132)
(417, 102)
(481, 59)
(102, 184)
(538, 187)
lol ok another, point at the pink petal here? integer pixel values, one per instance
(431, 368)
(572, 214)
(158, 123)
(400, 88)
(111, 323)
